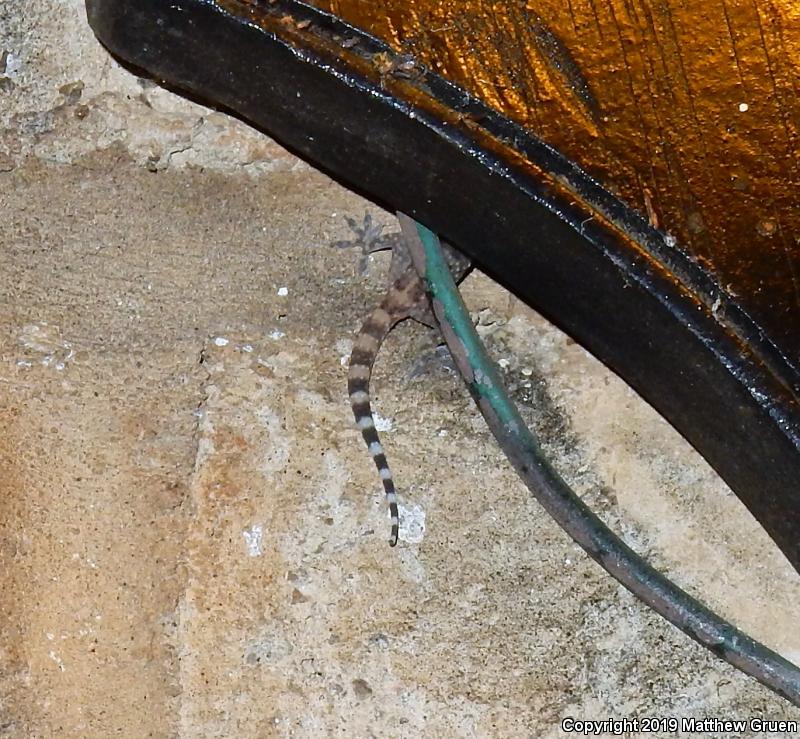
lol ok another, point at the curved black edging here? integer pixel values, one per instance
(724, 387)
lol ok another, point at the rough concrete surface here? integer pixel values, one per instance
(192, 538)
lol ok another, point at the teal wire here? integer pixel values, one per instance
(570, 512)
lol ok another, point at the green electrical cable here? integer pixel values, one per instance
(558, 499)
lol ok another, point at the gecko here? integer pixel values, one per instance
(405, 298)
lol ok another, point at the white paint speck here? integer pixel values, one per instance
(13, 65)
(442, 432)
(412, 523)
(275, 335)
(246, 348)
(252, 538)
(503, 363)
(381, 423)
(527, 371)
(343, 347)
(283, 291)
(221, 341)
(24, 363)
(53, 656)
(743, 107)
(47, 340)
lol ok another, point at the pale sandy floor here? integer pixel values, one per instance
(193, 540)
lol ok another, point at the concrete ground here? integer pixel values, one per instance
(192, 536)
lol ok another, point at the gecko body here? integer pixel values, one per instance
(405, 298)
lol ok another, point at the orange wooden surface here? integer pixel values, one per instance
(689, 111)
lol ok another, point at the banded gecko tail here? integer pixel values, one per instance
(400, 302)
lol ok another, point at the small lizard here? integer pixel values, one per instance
(405, 298)
(369, 237)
